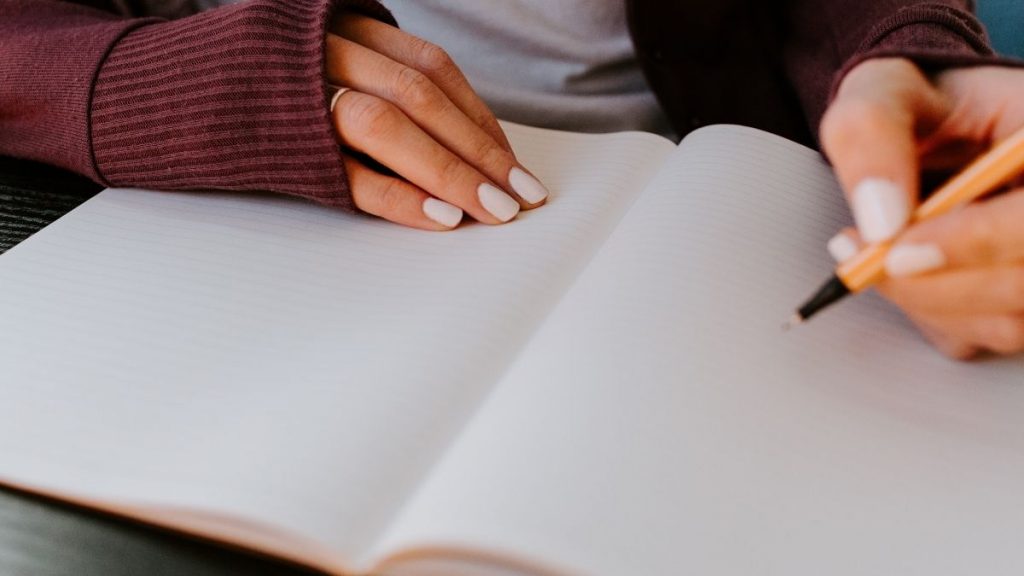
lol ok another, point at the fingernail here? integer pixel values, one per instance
(442, 212)
(911, 259)
(881, 209)
(499, 204)
(528, 187)
(842, 247)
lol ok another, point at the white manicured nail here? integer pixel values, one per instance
(528, 187)
(881, 209)
(442, 212)
(842, 247)
(911, 259)
(500, 205)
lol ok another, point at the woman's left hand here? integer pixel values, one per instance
(960, 277)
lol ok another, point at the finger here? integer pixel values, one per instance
(397, 200)
(427, 58)
(428, 106)
(999, 334)
(946, 343)
(969, 291)
(380, 130)
(983, 234)
(845, 245)
(870, 135)
(990, 94)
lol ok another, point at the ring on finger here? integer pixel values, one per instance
(339, 90)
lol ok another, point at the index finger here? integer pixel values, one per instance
(425, 104)
(427, 58)
(984, 233)
(870, 135)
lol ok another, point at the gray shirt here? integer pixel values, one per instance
(565, 64)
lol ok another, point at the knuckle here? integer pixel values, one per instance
(487, 121)
(390, 196)
(1006, 335)
(956, 350)
(945, 341)
(899, 291)
(414, 89)
(491, 155)
(833, 123)
(848, 120)
(432, 58)
(842, 123)
(980, 234)
(1011, 289)
(450, 169)
(369, 115)
(1005, 292)
(1015, 287)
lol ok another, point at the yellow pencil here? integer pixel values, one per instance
(989, 171)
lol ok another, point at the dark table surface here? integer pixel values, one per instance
(42, 538)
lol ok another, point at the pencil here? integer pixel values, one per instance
(987, 173)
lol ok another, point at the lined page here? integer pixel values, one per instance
(660, 423)
(266, 358)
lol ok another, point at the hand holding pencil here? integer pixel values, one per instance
(958, 276)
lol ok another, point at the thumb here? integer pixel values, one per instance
(870, 135)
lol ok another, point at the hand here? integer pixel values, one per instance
(410, 110)
(960, 277)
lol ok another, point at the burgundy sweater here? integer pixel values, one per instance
(235, 98)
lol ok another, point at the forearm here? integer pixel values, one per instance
(229, 99)
(50, 54)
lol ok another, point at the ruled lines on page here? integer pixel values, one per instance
(264, 357)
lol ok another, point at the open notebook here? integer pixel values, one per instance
(599, 388)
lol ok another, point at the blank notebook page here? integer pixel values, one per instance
(660, 423)
(266, 358)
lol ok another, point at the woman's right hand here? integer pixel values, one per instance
(959, 277)
(411, 110)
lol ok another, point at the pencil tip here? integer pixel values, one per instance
(794, 321)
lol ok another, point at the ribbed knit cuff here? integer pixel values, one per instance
(230, 99)
(933, 36)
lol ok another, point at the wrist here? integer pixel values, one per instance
(229, 99)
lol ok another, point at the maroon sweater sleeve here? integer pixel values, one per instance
(229, 99)
(827, 39)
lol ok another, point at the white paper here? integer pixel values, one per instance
(267, 359)
(660, 423)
